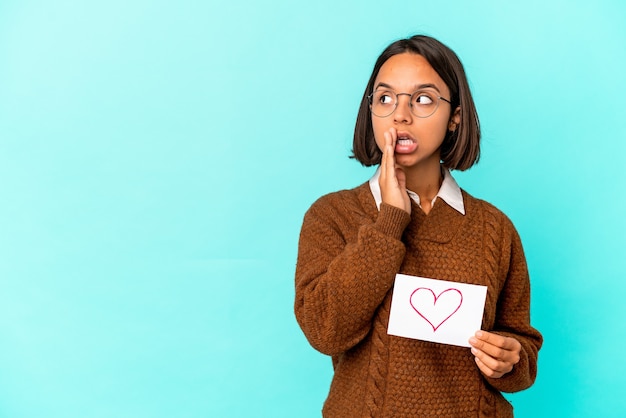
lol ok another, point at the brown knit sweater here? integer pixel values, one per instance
(349, 254)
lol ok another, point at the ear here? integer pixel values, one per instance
(455, 120)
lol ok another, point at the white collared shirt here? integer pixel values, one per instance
(450, 192)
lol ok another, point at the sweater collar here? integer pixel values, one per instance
(450, 192)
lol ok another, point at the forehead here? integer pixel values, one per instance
(407, 71)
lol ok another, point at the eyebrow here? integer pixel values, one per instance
(418, 87)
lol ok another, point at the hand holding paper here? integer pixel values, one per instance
(495, 354)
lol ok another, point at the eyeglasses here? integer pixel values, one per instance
(422, 103)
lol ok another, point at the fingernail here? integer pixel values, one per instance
(479, 334)
(473, 340)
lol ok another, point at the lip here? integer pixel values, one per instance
(405, 135)
(404, 147)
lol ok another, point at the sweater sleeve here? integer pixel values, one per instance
(513, 316)
(340, 284)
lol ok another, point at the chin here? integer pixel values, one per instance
(407, 160)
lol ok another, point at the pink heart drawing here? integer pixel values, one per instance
(436, 309)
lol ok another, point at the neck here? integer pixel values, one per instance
(424, 180)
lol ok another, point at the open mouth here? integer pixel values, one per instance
(404, 138)
(405, 144)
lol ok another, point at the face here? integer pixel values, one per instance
(418, 139)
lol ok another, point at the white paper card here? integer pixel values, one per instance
(436, 310)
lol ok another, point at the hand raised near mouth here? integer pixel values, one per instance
(392, 179)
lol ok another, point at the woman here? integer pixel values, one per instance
(418, 121)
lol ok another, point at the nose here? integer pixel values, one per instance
(402, 114)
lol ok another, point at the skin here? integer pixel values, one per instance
(495, 354)
(418, 169)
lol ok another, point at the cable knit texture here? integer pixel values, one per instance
(349, 254)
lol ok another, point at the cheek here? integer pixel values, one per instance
(439, 128)
(443, 130)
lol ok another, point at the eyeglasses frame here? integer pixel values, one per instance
(369, 99)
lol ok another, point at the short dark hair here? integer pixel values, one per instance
(460, 149)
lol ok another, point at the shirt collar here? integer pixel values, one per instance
(450, 192)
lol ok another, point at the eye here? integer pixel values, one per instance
(383, 98)
(424, 99)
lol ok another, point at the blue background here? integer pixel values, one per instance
(157, 157)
